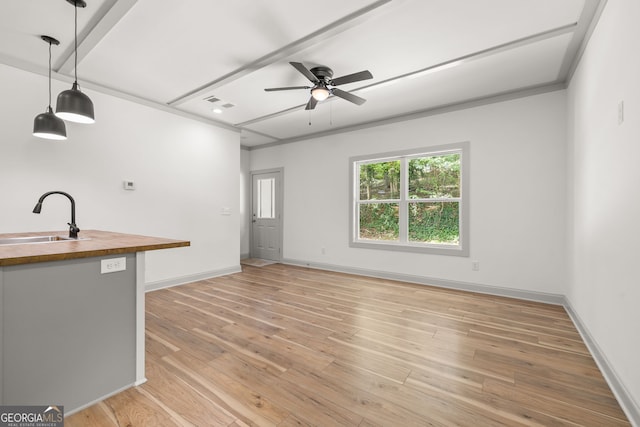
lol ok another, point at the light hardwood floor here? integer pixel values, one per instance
(289, 346)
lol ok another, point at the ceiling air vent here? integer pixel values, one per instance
(212, 99)
(228, 105)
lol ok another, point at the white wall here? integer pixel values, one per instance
(604, 286)
(517, 194)
(185, 172)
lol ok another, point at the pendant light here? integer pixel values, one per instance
(47, 125)
(74, 105)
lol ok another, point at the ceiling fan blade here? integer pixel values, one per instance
(311, 104)
(348, 96)
(350, 78)
(272, 89)
(304, 71)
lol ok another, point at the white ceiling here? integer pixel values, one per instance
(174, 54)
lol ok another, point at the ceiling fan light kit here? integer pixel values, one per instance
(324, 85)
(47, 125)
(73, 105)
(320, 92)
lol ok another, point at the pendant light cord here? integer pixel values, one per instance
(75, 67)
(49, 75)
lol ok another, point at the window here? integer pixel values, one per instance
(412, 200)
(266, 198)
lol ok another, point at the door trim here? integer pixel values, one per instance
(279, 208)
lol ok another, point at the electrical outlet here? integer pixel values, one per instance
(112, 265)
(475, 265)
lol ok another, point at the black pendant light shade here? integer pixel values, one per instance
(47, 125)
(73, 105)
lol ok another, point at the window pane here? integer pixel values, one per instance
(266, 198)
(434, 222)
(380, 181)
(434, 177)
(379, 221)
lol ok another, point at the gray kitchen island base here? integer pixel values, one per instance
(71, 335)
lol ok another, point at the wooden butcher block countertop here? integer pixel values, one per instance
(91, 243)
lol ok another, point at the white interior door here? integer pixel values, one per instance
(266, 227)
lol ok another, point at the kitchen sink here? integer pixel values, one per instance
(34, 239)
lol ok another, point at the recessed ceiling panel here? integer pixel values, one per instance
(163, 49)
(414, 34)
(398, 39)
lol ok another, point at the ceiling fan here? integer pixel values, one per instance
(323, 84)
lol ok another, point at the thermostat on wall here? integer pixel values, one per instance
(129, 185)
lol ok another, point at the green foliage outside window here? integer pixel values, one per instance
(434, 223)
(380, 181)
(379, 221)
(433, 177)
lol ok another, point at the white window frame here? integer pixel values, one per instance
(461, 249)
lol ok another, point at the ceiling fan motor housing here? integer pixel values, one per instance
(322, 73)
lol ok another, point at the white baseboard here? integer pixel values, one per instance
(555, 299)
(140, 382)
(98, 400)
(626, 401)
(161, 284)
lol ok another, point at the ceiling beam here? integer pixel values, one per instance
(101, 23)
(323, 33)
(586, 25)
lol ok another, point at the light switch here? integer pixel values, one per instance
(129, 185)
